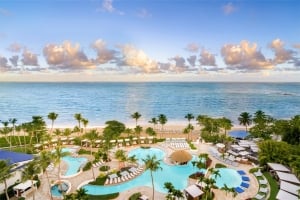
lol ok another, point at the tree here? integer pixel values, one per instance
(121, 156)
(226, 124)
(78, 117)
(85, 123)
(29, 173)
(113, 130)
(153, 121)
(150, 131)
(52, 116)
(44, 160)
(136, 116)
(56, 157)
(13, 122)
(152, 164)
(245, 119)
(81, 194)
(189, 117)
(162, 119)
(5, 173)
(92, 136)
(188, 130)
(5, 131)
(138, 130)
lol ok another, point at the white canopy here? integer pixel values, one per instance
(194, 191)
(291, 178)
(142, 138)
(288, 187)
(98, 141)
(127, 139)
(283, 195)
(112, 141)
(278, 167)
(120, 140)
(25, 185)
(220, 145)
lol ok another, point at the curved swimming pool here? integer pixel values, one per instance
(230, 177)
(176, 174)
(74, 164)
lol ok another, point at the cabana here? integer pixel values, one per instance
(71, 140)
(142, 140)
(193, 192)
(181, 157)
(134, 140)
(290, 188)
(150, 139)
(120, 142)
(64, 140)
(290, 178)
(127, 141)
(22, 189)
(278, 167)
(283, 195)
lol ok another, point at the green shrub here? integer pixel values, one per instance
(220, 165)
(83, 151)
(192, 146)
(145, 147)
(135, 196)
(158, 140)
(87, 166)
(253, 170)
(104, 168)
(103, 197)
(99, 181)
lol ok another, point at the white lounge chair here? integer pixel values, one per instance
(259, 196)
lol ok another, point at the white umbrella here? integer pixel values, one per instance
(220, 145)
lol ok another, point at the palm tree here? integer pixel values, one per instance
(188, 130)
(136, 116)
(138, 130)
(52, 116)
(5, 174)
(57, 156)
(132, 159)
(81, 194)
(121, 156)
(153, 164)
(226, 124)
(85, 122)
(78, 117)
(5, 131)
(162, 119)
(189, 117)
(13, 122)
(153, 121)
(44, 161)
(245, 119)
(31, 170)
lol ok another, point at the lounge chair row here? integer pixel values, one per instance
(119, 179)
(98, 164)
(179, 145)
(229, 160)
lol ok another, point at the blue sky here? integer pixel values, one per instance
(141, 40)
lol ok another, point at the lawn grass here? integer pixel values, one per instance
(273, 185)
(104, 197)
(99, 181)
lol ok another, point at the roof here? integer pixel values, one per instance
(194, 191)
(25, 185)
(181, 156)
(282, 195)
(291, 178)
(14, 157)
(278, 167)
(288, 187)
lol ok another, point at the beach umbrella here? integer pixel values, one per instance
(181, 156)
(220, 145)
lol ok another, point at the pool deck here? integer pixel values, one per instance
(43, 191)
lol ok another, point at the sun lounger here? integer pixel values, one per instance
(106, 182)
(259, 196)
(239, 190)
(122, 178)
(241, 172)
(119, 179)
(258, 173)
(244, 184)
(111, 181)
(263, 182)
(245, 178)
(263, 190)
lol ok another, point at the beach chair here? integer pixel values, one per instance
(258, 174)
(245, 178)
(263, 182)
(239, 190)
(263, 190)
(259, 196)
(245, 185)
(106, 181)
(241, 172)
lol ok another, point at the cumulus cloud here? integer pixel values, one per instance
(192, 60)
(14, 60)
(104, 54)
(179, 66)
(244, 57)
(143, 13)
(282, 55)
(15, 47)
(29, 58)
(192, 47)
(228, 8)
(207, 59)
(66, 57)
(137, 58)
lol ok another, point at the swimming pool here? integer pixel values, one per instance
(177, 174)
(55, 189)
(230, 177)
(74, 164)
(238, 133)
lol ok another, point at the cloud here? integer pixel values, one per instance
(244, 57)
(192, 47)
(207, 59)
(143, 13)
(228, 8)
(192, 60)
(66, 57)
(282, 55)
(107, 6)
(29, 58)
(133, 57)
(15, 47)
(179, 66)
(14, 60)
(104, 55)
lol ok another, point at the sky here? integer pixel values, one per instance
(143, 40)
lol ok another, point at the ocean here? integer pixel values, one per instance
(100, 102)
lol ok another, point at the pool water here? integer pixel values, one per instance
(55, 191)
(230, 177)
(238, 133)
(176, 174)
(74, 164)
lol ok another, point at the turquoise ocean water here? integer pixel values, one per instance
(99, 102)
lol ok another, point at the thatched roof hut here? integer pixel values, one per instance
(181, 156)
